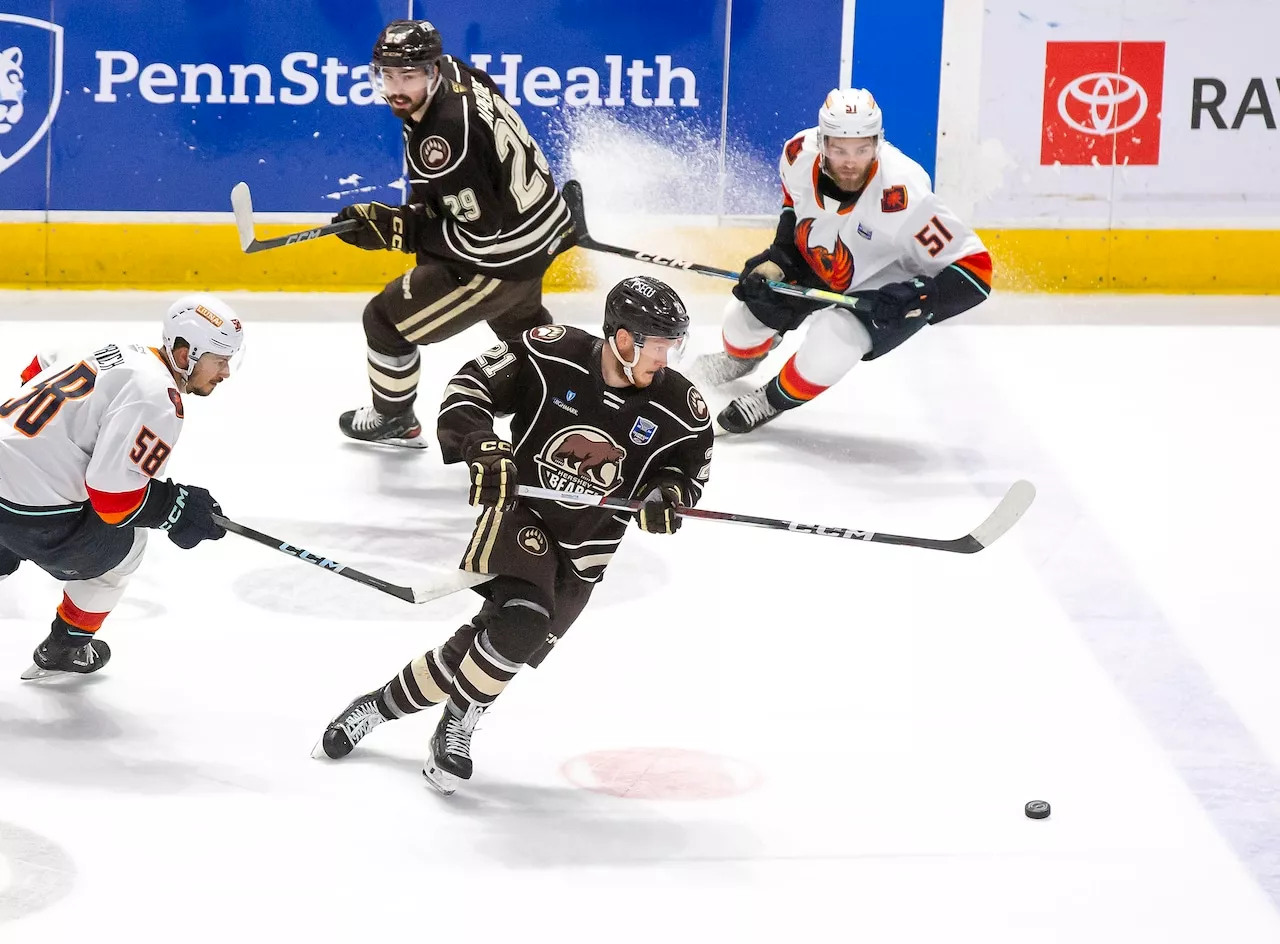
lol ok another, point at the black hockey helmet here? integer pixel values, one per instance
(407, 43)
(647, 308)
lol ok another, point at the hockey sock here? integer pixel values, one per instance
(394, 380)
(789, 390)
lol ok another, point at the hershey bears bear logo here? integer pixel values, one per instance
(533, 540)
(581, 459)
(435, 152)
(547, 333)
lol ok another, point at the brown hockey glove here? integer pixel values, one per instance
(494, 476)
(663, 499)
(385, 227)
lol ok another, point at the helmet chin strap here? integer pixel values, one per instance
(626, 367)
(184, 374)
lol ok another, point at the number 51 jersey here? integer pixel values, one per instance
(896, 230)
(93, 426)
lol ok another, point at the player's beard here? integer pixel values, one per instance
(403, 106)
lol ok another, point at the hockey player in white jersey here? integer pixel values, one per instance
(858, 217)
(82, 446)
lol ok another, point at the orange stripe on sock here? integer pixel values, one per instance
(795, 386)
(82, 620)
(747, 352)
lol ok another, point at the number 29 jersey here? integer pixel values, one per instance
(91, 426)
(487, 185)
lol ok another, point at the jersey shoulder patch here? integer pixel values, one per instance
(439, 144)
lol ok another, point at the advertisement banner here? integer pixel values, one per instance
(1142, 113)
(160, 108)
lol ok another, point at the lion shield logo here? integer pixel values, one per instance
(30, 83)
(581, 459)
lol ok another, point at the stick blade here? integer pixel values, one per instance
(1012, 507)
(461, 580)
(242, 206)
(572, 193)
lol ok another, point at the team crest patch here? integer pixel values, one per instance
(642, 431)
(894, 199)
(581, 459)
(532, 540)
(176, 399)
(697, 405)
(547, 333)
(435, 152)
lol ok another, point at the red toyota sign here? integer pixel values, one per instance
(1102, 103)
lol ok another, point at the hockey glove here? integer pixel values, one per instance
(897, 302)
(185, 511)
(658, 514)
(494, 476)
(385, 227)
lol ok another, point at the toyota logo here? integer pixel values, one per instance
(1104, 93)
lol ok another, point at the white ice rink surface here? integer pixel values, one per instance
(749, 735)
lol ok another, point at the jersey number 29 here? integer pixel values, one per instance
(514, 140)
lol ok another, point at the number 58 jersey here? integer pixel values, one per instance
(93, 426)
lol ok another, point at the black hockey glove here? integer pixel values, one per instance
(663, 498)
(385, 227)
(897, 302)
(494, 476)
(185, 511)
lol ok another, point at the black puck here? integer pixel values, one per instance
(1037, 809)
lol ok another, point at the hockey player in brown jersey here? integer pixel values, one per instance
(483, 216)
(603, 416)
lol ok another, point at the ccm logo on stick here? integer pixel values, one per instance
(662, 260)
(833, 532)
(312, 559)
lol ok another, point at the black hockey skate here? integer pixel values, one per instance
(748, 412)
(345, 731)
(368, 425)
(449, 757)
(55, 657)
(714, 370)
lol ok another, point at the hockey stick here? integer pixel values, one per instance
(572, 193)
(1013, 506)
(408, 594)
(242, 206)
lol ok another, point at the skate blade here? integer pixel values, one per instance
(442, 781)
(318, 751)
(35, 673)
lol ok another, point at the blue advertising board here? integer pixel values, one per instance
(149, 106)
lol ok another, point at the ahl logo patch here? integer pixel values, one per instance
(642, 431)
(435, 152)
(30, 84)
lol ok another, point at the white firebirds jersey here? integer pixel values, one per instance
(896, 230)
(91, 426)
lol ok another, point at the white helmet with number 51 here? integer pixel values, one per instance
(207, 325)
(850, 113)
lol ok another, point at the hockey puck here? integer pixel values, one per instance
(1037, 809)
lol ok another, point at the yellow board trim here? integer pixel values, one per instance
(189, 256)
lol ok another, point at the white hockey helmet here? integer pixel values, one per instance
(850, 113)
(207, 324)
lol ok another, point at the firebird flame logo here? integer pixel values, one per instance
(833, 267)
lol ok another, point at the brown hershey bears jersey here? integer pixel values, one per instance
(572, 432)
(475, 166)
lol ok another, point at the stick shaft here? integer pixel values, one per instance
(1012, 506)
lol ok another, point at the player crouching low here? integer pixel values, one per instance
(602, 416)
(859, 218)
(81, 446)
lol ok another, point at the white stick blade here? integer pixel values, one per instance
(1012, 507)
(242, 206)
(462, 580)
